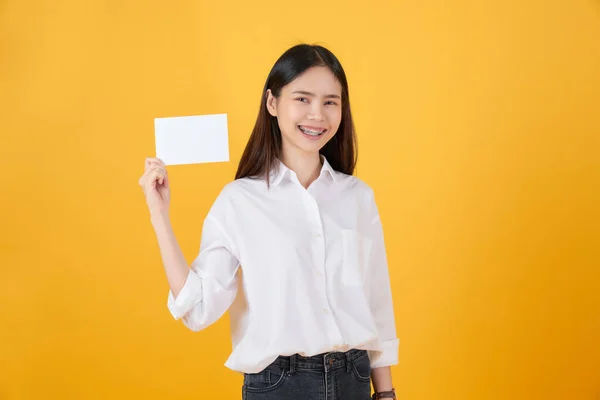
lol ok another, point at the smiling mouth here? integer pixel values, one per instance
(312, 131)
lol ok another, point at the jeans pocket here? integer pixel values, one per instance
(356, 253)
(267, 380)
(362, 368)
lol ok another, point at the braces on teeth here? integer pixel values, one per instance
(310, 132)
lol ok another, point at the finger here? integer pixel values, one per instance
(161, 170)
(154, 165)
(155, 168)
(156, 175)
(151, 181)
(148, 164)
(154, 160)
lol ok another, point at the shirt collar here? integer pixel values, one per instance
(281, 171)
(328, 168)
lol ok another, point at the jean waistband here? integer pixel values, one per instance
(320, 362)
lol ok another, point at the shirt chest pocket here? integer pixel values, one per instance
(356, 250)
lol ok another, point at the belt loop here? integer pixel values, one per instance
(348, 361)
(292, 364)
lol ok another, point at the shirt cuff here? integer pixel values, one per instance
(387, 356)
(189, 296)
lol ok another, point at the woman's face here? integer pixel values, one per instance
(308, 111)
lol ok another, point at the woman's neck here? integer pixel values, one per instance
(307, 166)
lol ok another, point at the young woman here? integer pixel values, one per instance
(293, 248)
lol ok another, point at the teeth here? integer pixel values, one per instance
(311, 132)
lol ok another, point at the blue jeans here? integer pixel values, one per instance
(328, 376)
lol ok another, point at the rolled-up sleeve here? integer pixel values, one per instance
(380, 295)
(189, 296)
(211, 284)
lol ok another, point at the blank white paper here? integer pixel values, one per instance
(192, 140)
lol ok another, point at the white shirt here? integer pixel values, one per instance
(299, 270)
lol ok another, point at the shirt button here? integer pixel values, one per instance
(326, 311)
(319, 273)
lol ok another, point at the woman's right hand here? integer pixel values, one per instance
(155, 184)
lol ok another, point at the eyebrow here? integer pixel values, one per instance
(329, 96)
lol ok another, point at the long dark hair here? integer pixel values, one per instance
(264, 146)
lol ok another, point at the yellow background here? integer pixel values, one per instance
(479, 129)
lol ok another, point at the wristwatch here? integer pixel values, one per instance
(385, 395)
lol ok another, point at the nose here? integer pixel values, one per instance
(316, 112)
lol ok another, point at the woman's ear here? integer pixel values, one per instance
(271, 103)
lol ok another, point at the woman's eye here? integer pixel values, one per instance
(305, 100)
